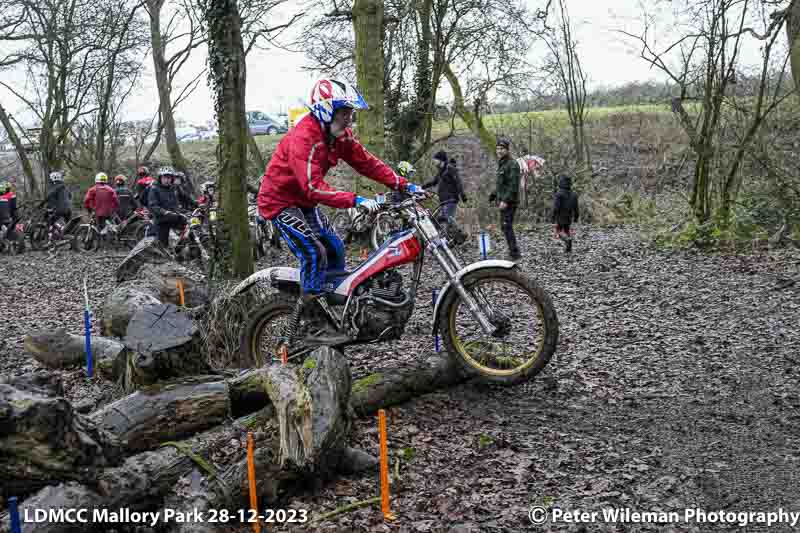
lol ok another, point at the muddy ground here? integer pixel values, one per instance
(674, 385)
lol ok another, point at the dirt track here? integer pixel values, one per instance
(674, 385)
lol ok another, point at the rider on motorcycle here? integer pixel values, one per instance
(127, 203)
(407, 171)
(185, 201)
(58, 198)
(163, 203)
(102, 199)
(294, 182)
(142, 184)
(208, 197)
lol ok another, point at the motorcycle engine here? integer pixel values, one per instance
(383, 307)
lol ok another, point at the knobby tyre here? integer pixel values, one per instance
(484, 358)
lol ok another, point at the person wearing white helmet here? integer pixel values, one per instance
(294, 181)
(163, 204)
(58, 198)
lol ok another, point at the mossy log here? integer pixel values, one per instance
(165, 411)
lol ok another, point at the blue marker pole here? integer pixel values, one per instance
(434, 296)
(482, 243)
(14, 512)
(88, 327)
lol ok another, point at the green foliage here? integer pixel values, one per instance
(750, 222)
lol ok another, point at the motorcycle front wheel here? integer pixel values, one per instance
(527, 326)
(85, 239)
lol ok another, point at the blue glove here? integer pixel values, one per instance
(366, 203)
(414, 189)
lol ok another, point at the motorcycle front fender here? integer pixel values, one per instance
(448, 287)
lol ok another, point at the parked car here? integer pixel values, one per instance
(263, 124)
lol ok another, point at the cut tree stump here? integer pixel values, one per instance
(152, 284)
(166, 411)
(167, 342)
(42, 440)
(59, 349)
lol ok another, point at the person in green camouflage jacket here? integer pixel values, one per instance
(507, 195)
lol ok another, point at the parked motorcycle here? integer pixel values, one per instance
(44, 230)
(497, 322)
(126, 233)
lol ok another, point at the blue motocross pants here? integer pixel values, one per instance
(311, 239)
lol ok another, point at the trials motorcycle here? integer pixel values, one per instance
(494, 320)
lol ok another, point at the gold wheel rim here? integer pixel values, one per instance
(462, 347)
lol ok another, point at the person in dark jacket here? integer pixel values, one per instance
(127, 202)
(58, 198)
(565, 210)
(507, 194)
(450, 187)
(143, 183)
(185, 201)
(163, 204)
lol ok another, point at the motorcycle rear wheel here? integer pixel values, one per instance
(485, 357)
(268, 323)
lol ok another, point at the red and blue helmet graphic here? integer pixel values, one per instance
(328, 95)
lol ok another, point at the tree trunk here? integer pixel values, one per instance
(232, 250)
(793, 36)
(423, 79)
(27, 169)
(163, 83)
(368, 28)
(255, 152)
(473, 122)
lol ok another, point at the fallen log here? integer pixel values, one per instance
(139, 483)
(392, 386)
(382, 388)
(42, 383)
(312, 411)
(166, 411)
(167, 344)
(59, 349)
(43, 440)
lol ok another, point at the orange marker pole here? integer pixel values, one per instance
(387, 514)
(180, 292)
(251, 473)
(364, 254)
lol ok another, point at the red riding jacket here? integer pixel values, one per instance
(103, 199)
(295, 176)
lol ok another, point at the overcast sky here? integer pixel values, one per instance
(276, 81)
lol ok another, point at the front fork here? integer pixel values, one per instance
(451, 265)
